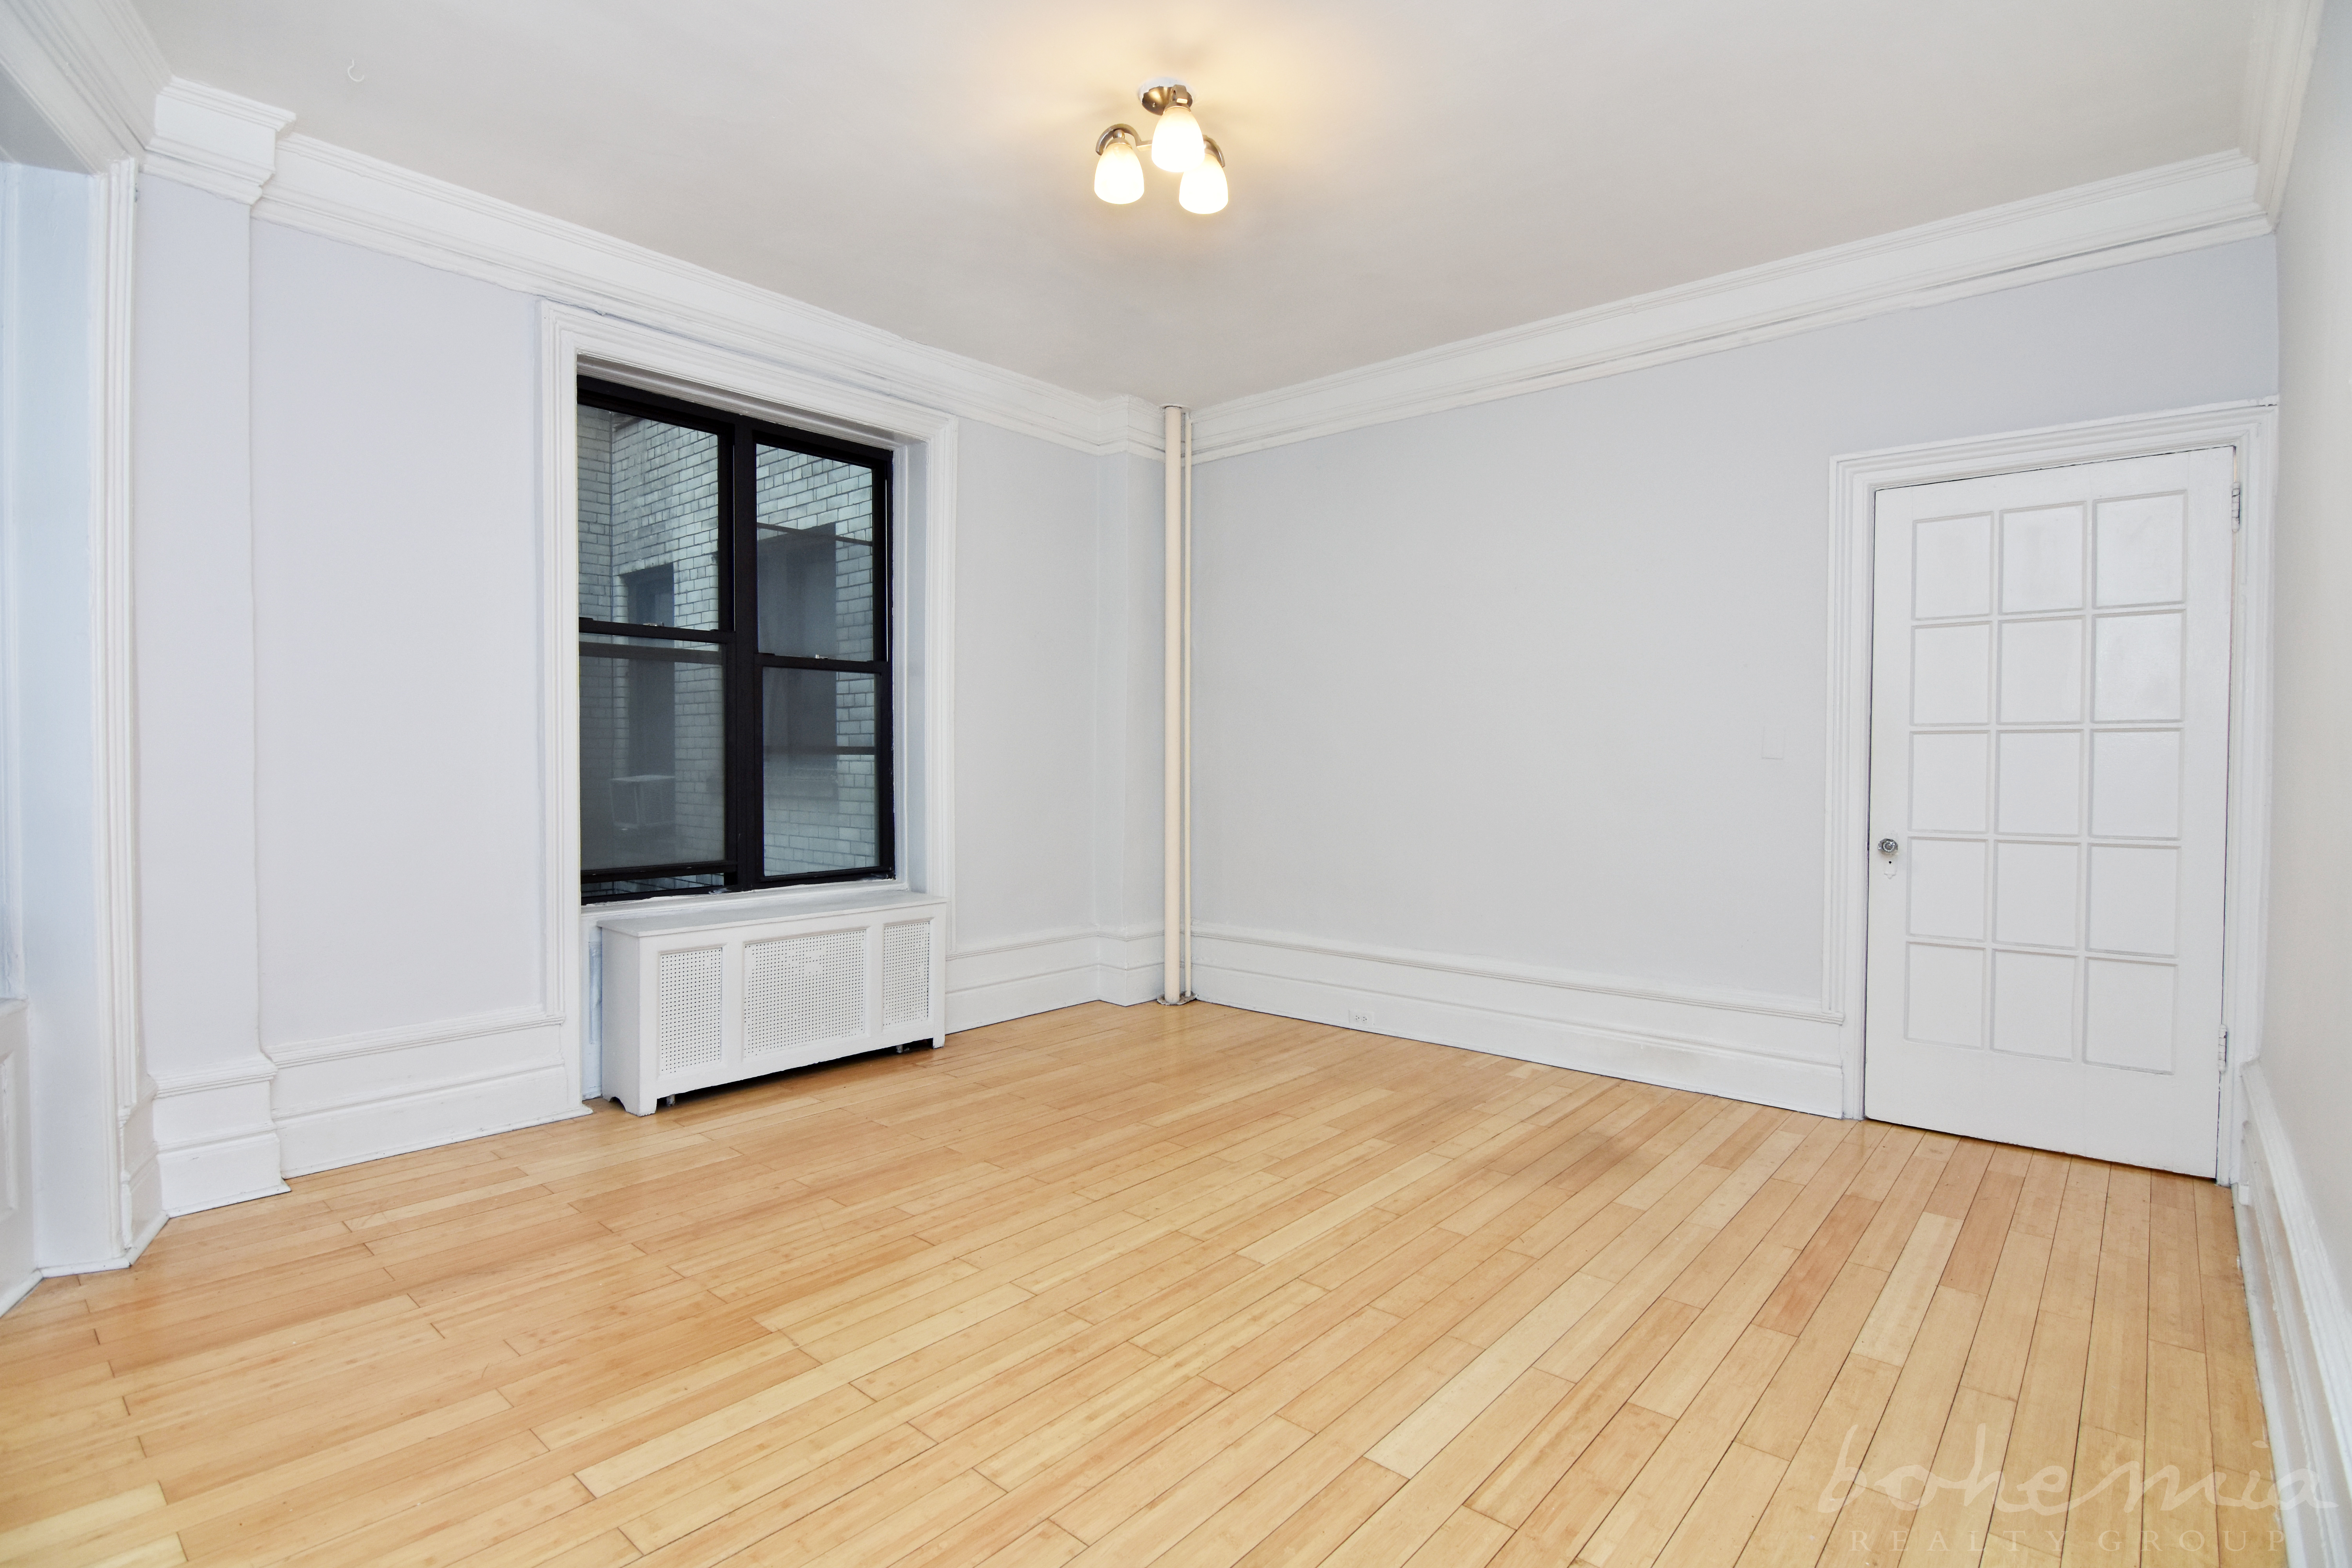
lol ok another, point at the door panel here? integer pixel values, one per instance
(2050, 723)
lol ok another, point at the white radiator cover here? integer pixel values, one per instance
(693, 997)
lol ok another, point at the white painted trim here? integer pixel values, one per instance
(113, 666)
(226, 1165)
(1855, 480)
(345, 195)
(1014, 979)
(2156, 212)
(89, 68)
(214, 141)
(377, 1125)
(148, 1230)
(1770, 1058)
(2278, 69)
(1039, 972)
(1802, 1009)
(1778, 1050)
(2302, 1336)
(411, 1036)
(258, 1070)
(924, 493)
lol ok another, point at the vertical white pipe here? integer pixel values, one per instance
(1187, 909)
(1171, 743)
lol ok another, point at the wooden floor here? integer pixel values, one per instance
(1162, 1286)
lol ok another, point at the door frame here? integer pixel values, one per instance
(1855, 481)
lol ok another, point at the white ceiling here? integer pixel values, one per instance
(1404, 173)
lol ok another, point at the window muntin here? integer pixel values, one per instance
(712, 760)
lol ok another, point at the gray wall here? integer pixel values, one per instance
(1495, 682)
(2307, 1045)
(396, 606)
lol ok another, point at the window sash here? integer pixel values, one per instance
(747, 788)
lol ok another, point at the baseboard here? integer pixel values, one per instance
(343, 1110)
(147, 1232)
(221, 1169)
(1765, 1050)
(1002, 981)
(13, 1293)
(1012, 980)
(2303, 1341)
(215, 1140)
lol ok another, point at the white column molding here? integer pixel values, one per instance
(214, 141)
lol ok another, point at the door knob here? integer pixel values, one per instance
(1887, 847)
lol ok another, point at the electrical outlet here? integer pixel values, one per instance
(1360, 1017)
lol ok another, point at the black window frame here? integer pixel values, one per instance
(741, 436)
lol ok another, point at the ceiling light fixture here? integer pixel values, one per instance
(1202, 188)
(1177, 146)
(1119, 172)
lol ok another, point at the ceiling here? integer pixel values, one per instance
(1404, 173)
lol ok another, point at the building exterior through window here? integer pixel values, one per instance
(734, 651)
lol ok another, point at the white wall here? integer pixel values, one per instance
(2299, 1160)
(399, 783)
(399, 789)
(1494, 684)
(1025, 540)
(2307, 1053)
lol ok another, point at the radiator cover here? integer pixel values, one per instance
(697, 996)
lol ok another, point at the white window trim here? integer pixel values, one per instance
(922, 650)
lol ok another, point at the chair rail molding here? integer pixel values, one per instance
(2133, 217)
(1855, 480)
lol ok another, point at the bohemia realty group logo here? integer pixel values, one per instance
(2125, 1512)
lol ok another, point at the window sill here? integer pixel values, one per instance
(715, 912)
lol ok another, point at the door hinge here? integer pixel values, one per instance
(2221, 1055)
(2237, 507)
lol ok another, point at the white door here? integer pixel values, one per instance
(2049, 757)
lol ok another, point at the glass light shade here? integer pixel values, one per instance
(1203, 189)
(1177, 146)
(1118, 174)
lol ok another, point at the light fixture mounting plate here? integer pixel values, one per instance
(1160, 91)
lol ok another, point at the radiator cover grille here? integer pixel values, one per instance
(691, 1027)
(803, 990)
(906, 971)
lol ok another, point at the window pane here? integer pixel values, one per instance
(652, 756)
(816, 556)
(822, 811)
(648, 522)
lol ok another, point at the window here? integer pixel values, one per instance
(734, 651)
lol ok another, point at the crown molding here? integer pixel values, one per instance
(2278, 68)
(1133, 424)
(2156, 212)
(90, 70)
(346, 196)
(214, 141)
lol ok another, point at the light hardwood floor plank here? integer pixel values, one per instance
(1188, 1287)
